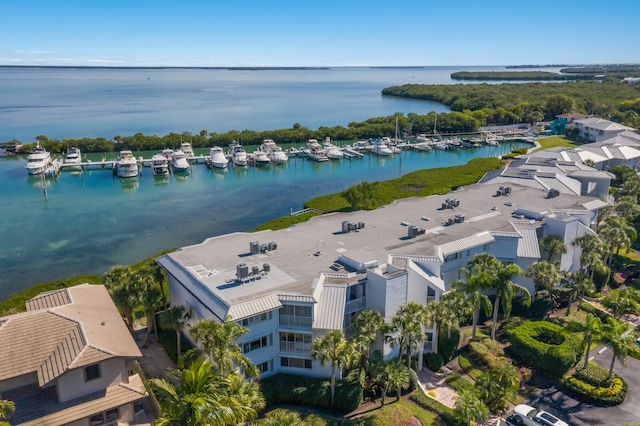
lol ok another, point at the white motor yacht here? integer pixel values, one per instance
(332, 151)
(238, 154)
(187, 149)
(381, 148)
(38, 161)
(159, 165)
(274, 152)
(217, 158)
(260, 158)
(315, 152)
(72, 156)
(127, 165)
(167, 153)
(179, 161)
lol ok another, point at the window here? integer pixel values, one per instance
(265, 366)
(257, 344)
(92, 372)
(431, 295)
(102, 418)
(295, 362)
(256, 318)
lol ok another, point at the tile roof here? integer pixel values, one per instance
(50, 299)
(53, 340)
(35, 411)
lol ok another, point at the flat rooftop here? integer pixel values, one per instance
(308, 249)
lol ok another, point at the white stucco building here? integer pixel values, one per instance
(291, 286)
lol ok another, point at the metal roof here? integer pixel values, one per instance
(330, 311)
(528, 245)
(254, 307)
(466, 243)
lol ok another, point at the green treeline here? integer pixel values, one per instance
(529, 102)
(517, 75)
(371, 128)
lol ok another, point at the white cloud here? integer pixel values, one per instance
(32, 52)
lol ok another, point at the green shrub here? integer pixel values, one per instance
(590, 385)
(459, 383)
(447, 345)
(414, 381)
(546, 347)
(434, 361)
(445, 413)
(311, 391)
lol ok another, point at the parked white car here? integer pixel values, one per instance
(529, 416)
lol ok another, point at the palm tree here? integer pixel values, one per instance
(7, 408)
(175, 318)
(552, 245)
(334, 349)
(504, 290)
(220, 342)
(282, 417)
(196, 395)
(620, 304)
(470, 409)
(124, 292)
(592, 250)
(443, 317)
(591, 331)
(617, 336)
(476, 282)
(546, 276)
(407, 329)
(617, 233)
(368, 325)
(499, 385)
(392, 375)
(247, 394)
(150, 297)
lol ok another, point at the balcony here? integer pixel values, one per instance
(295, 347)
(295, 321)
(355, 305)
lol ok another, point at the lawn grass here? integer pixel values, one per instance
(420, 183)
(427, 418)
(553, 141)
(469, 366)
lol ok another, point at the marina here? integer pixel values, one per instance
(95, 220)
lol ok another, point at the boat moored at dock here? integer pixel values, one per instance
(127, 165)
(315, 151)
(217, 158)
(187, 149)
(238, 154)
(179, 161)
(72, 157)
(38, 161)
(260, 158)
(274, 152)
(332, 151)
(159, 165)
(380, 147)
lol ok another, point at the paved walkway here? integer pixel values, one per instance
(434, 382)
(155, 362)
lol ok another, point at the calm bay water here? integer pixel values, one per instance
(93, 222)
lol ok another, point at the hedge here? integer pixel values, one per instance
(311, 391)
(546, 347)
(590, 385)
(435, 362)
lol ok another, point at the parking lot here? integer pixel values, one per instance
(576, 413)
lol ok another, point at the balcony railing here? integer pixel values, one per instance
(297, 347)
(295, 321)
(355, 305)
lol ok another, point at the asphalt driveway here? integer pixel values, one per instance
(577, 413)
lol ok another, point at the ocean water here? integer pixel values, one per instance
(91, 222)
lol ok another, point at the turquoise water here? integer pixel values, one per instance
(94, 221)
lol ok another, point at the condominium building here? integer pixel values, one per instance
(292, 285)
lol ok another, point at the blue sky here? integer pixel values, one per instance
(318, 33)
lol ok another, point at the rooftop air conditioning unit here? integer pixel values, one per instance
(273, 245)
(345, 226)
(413, 231)
(242, 271)
(255, 270)
(254, 247)
(266, 268)
(507, 190)
(499, 192)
